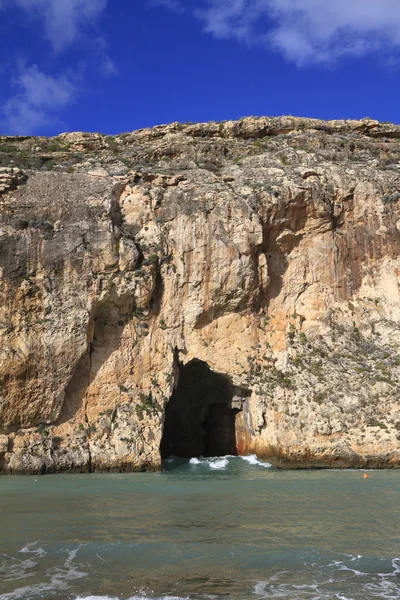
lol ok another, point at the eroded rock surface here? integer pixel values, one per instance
(267, 249)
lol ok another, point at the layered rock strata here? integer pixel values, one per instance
(265, 251)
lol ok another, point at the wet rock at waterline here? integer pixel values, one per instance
(207, 289)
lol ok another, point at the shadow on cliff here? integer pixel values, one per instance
(200, 417)
(283, 228)
(105, 331)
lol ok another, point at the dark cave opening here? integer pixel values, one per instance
(201, 414)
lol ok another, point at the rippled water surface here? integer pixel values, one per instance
(227, 527)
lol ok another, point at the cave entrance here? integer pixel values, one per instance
(201, 414)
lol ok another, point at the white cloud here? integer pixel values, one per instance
(318, 31)
(307, 31)
(40, 96)
(106, 64)
(37, 98)
(63, 20)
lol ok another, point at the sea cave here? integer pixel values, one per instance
(200, 417)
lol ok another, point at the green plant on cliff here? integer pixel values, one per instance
(146, 406)
(56, 441)
(375, 423)
(41, 428)
(125, 389)
(154, 260)
(55, 146)
(91, 429)
(319, 397)
(112, 144)
(291, 333)
(302, 338)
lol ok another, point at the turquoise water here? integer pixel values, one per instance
(215, 528)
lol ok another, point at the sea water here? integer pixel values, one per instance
(219, 528)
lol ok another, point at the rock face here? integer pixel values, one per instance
(232, 285)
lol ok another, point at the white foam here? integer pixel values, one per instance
(72, 554)
(19, 570)
(364, 585)
(32, 549)
(96, 598)
(58, 577)
(220, 463)
(259, 588)
(132, 598)
(343, 567)
(253, 460)
(214, 462)
(396, 566)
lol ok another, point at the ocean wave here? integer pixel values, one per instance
(306, 576)
(221, 462)
(327, 576)
(214, 462)
(133, 598)
(32, 548)
(253, 460)
(58, 578)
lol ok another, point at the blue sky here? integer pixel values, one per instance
(118, 65)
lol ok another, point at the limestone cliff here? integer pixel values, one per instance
(232, 285)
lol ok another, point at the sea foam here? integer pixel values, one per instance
(221, 462)
(132, 598)
(253, 460)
